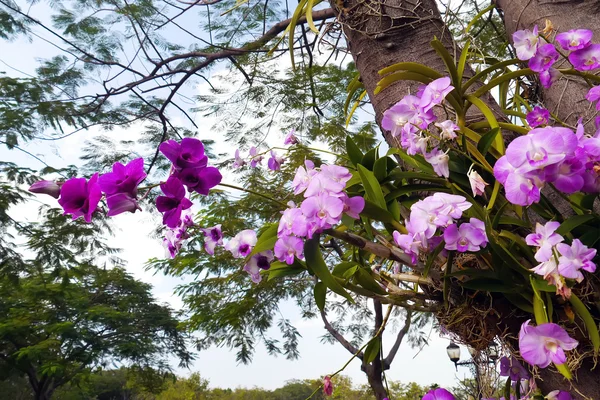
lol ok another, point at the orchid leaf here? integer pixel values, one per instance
(588, 320)
(372, 187)
(573, 222)
(266, 241)
(320, 295)
(366, 280)
(315, 262)
(372, 350)
(353, 151)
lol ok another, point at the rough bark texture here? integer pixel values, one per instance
(381, 33)
(567, 96)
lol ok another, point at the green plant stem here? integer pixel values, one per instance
(253, 192)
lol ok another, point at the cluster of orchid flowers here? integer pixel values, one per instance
(439, 212)
(557, 155)
(409, 119)
(80, 197)
(583, 55)
(558, 260)
(322, 208)
(275, 160)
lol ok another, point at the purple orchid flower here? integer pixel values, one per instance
(439, 161)
(275, 161)
(586, 59)
(171, 244)
(258, 262)
(544, 57)
(327, 386)
(286, 222)
(353, 206)
(513, 369)
(476, 181)
(549, 76)
(238, 162)
(537, 117)
(330, 179)
(213, 238)
(79, 197)
(575, 39)
(447, 129)
(255, 159)
(200, 180)
(540, 345)
(544, 238)
(435, 93)
(594, 95)
(469, 236)
(291, 138)
(188, 154)
(50, 188)
(409, 244)
(123, 178)
(303, 177)
(241, 244)
(575, 258)
(438, 394)
(173, 203)
(451, 205)
(396, 117)
(559, 395)
(121, 202)
(526, 43)
(568, 175)
(326, 210)
(287, 247)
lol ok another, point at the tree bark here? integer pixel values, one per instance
(374, 370)
(566, 98)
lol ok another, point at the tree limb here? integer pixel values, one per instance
(387, 361)
(338, 336)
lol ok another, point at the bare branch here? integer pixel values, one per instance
(387, 361)
(389, 253)
(338, 336)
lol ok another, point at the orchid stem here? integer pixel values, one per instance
(252, 192)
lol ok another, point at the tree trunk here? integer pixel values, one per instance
(381, 33)
(566, 98)
(374, 370)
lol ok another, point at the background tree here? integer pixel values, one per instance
(57, 327)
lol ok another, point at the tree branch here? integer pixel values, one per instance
(338, 336)
(387, 361)
(389, 253)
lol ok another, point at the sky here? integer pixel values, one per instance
(133, 234)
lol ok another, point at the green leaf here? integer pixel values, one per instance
(463, 60)
(366, 280)
(448, 60)
(320, 294)
(573, 222)
(315, 262)
(377, 213)
(341, 268)
(413, 67)
(542, 285)
(519, 301)
(370, 157)
(353, 151)
(489, 285)
(412, 189)
(539, 307)
(487, 140)
(394, 209)
(266, 241)
(380, 169)
(588, 320)
(372, 187)
(372, 350)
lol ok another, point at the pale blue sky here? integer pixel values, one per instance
(216, 364)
